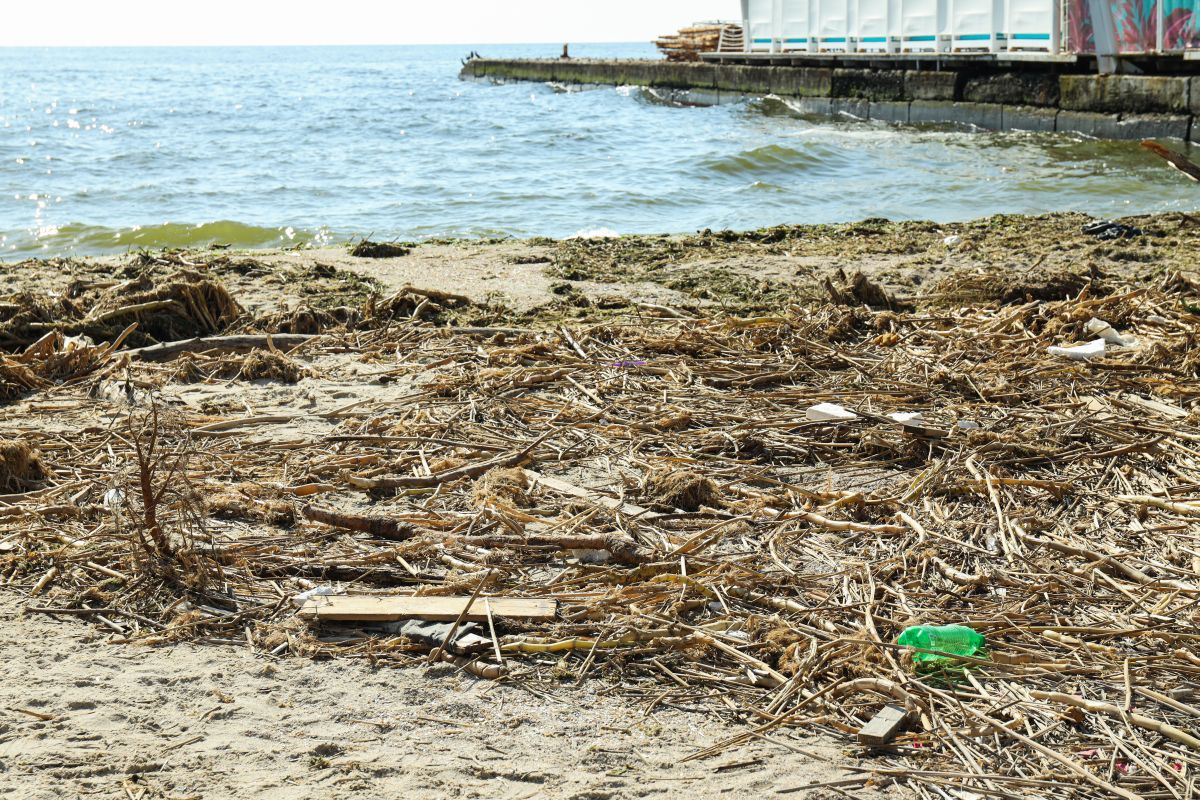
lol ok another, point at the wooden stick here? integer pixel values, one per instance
(1141, 721)
(161, 352)
(437, 653)
(382, 527)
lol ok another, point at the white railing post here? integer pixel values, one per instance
(1160, 19)
(1105, 31)
(1056, 28)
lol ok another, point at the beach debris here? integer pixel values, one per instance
(368, 249)
(859, 290)
(1079, 352)
(1011, 286)
(381, 608)
(1108, 333)
(1177, 161)
(1106, 230)
(412, 303)
(830, 412)
(949, 640)
(466, 638)
(769, 580)
(21, 467)
(266, 365)
(952, 241)
(884, 726)
(682, 489)
(304, 597)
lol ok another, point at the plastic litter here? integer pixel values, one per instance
(320, 591)
(829, 412)
(1107, 230)
(905, 416)
(956, 640)
(967, 425)
(952, 241)
(113, 498)
(1079, 352)
(1109, 334)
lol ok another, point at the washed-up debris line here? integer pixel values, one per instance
(731, 514)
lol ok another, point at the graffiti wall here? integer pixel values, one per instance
(1136, 23)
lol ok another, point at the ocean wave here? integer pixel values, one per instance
(775, 159)
(88, 240)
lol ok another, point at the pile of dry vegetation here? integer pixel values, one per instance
(705, 541)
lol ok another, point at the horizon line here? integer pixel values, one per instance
(555, 43)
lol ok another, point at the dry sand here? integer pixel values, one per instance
(190, 721)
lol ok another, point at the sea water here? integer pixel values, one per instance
(109, 150)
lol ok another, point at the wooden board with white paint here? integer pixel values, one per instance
(377, 608)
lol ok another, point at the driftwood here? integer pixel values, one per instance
(162, 352)
(376, 526)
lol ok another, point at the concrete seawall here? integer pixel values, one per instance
(1107, 107)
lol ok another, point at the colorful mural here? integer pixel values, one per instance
(1136, 24)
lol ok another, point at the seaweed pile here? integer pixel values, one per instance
(709, 543)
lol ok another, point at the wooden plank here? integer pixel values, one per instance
(883, 727)
(379, 608)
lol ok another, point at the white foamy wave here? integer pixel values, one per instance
(595, 233)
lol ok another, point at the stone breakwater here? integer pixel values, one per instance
(1031, 98)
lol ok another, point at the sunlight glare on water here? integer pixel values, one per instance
(108, 150)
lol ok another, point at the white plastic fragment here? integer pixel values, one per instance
(113, 498)
(829, 412)
(320, 591)
(967, 425)
(1109, 334)
(905, 416)
(952, 241)
(1079, 352)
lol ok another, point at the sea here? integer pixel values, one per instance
(109, 150)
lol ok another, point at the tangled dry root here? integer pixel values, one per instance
(509, 486)
(682, 489)
(21, 467)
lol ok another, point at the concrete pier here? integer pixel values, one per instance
(1023, 96)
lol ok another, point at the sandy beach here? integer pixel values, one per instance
(520, 418)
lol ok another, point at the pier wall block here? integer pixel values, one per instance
(1135, 94)
(924, 85)
(1154, 126)
(1012, 88)
(755, 80)
(1020, 98)
(683, 76)
(1029, 118)
(1088, 123)
(802, 81)
(814, 106)
(868, 84)
(854, 108)
(890, 111)
(981, 115)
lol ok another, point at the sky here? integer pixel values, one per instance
(306, 22)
